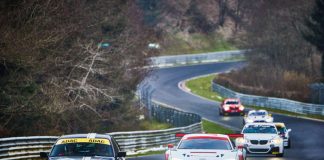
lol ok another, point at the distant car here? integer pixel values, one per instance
(284, 133)
(85, 146)
(263, 138)
(254, 116)
(231, 106)
(205, 147)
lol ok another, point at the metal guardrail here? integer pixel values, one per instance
(276, 103)
(165, 61)
(29, 147)
(131, 141)
(25, 147)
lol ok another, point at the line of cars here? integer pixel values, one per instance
(260, 135)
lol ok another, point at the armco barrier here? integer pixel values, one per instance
(165, 61)
(29, 147)
(276, 103)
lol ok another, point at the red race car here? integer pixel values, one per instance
(231, 106)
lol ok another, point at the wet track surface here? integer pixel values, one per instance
(306, 135)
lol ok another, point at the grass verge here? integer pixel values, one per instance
(146, 154)
(202, 87)
(211, 127)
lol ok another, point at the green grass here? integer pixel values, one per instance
(154, 125)
(202, 87)
(147, 153)
(196, 43)
(211, 127)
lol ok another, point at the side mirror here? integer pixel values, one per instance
(170, 146)
(289, 130)
(43, 154)
(121, 154)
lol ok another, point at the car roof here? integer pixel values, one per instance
(231, 99)
(89, 135)
(261, 110)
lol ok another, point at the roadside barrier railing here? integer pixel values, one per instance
(187, 59)
(271, 102)
(29, 147)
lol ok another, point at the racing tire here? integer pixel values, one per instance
(220, 113)
(289, 143)
(280, 154)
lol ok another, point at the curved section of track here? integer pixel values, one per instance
(307, 141)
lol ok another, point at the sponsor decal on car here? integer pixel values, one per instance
(83, 140)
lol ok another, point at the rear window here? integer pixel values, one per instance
(205, 143)
(258, 114)
(232, 102)
(82, 147)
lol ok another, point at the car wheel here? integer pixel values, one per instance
(280, 155)
(220, 113)
(289, 143)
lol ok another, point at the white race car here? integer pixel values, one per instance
(257, 116)
(205, 147)
(284, 133)
(263, 138)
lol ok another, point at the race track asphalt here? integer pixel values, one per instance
(307, 135)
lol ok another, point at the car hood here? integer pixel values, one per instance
(194, 154)
(258, 136)
(258, 117)
(81, 158)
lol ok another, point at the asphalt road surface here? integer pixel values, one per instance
(307, 135)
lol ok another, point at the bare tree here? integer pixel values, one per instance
(53, 74)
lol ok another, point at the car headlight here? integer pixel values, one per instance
(226, 108)
(277, 140)
(249, 120)
(241, 108)
(269, 119)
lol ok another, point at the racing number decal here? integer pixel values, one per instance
(84, 140)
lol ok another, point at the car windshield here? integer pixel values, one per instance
(281, 130)
(82, 149)
(258, 114)
(232, 102)
(266, 129)
(205, 143)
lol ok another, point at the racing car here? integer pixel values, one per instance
(262, 138)
(231, 106)
(284, 133)
(85, 146)
(206, 147)
(257, 116)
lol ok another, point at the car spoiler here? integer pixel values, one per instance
(179, 135)
(235, 135)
